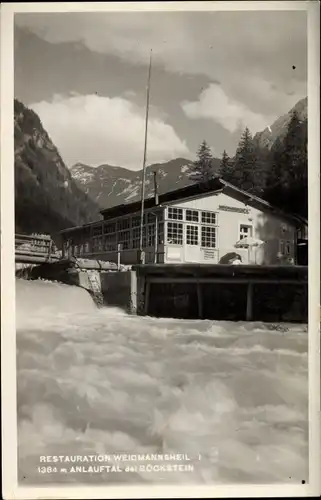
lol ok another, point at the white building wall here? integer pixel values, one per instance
(269, 228)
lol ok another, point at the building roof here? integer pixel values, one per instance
(215, 185)
(198, 190)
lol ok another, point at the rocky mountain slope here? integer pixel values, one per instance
(47, 199)
(278, 129)
(110, 186)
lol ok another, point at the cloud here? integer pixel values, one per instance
(214, 104)
(96, 130)
(129, 94)
(246, 51)
(209, 43)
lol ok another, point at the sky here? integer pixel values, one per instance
(213, 73)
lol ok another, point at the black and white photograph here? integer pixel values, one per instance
(163, 268)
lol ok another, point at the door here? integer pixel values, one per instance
(192, 243)
(246, 231)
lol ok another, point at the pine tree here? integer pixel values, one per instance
(226, 169)
(262, 168)
(202, 169)
(244, 171)
(287, 182)
(295, 154)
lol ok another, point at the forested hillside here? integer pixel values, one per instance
(47, 198)
(272, 164)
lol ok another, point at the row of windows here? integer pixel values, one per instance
(123, 224)
(174, 213)
(128, 239)
(206, 236)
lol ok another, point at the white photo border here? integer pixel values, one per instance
(11, 489)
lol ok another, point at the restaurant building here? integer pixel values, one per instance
(201, 223)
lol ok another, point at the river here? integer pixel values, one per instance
(232, 396)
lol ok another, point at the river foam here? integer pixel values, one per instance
(233, 396)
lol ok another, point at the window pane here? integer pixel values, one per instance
(192, 215)
(175, 213)
(136, 221)
(192, 235)
(151, 230)
(161, 233)
(123, 224)
(150, 218)
(209, 218)
(124, 239)
(174, 233)
(110, 242)
(97, 231)
(245, 231)
(97, 244)
(208, 236)
(136, 237)
(110, 228)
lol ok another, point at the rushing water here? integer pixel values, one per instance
(232, 396)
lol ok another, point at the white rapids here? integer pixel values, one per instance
(99, 381)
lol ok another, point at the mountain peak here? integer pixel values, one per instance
(278, 129)
(110, 186)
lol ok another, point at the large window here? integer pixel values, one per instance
(175, 233)
(97, 244)
(192, 215)
(110, 242)
(151, 228)
(124, 239)
(208, 239)
(209, 218)
(191, 235)
(136, 237)
(175, 213)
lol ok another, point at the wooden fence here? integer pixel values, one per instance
(35, 248)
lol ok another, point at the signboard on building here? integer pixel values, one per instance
(225, 208)
(208, 254)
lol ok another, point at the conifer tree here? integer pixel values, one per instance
(226, 167)
(287, 182)
(202, 169)
(244, 173)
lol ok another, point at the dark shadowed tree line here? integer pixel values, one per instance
(279, 174)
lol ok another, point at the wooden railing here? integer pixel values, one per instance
(40, 247)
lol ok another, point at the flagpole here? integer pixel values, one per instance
(141, 256)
